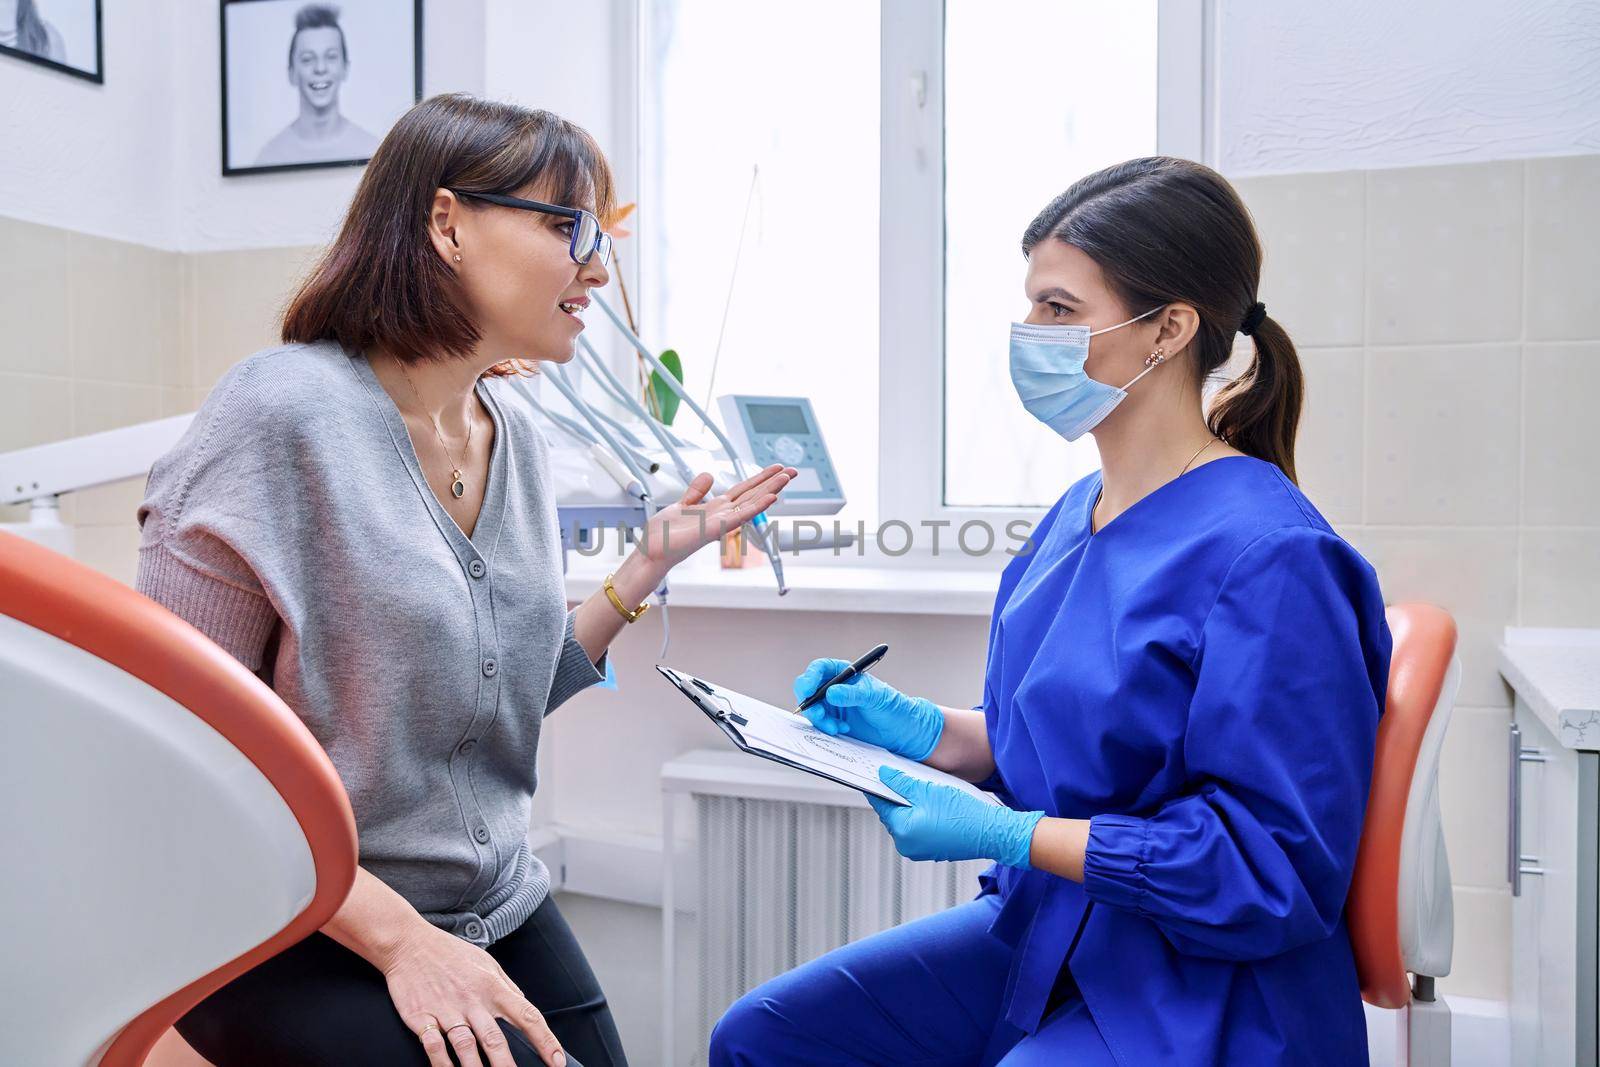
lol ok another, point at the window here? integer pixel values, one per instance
(870, 167)
(762, 155)
(1017, 131)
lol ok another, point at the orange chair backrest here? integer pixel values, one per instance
(1424, 644)
(63, 598)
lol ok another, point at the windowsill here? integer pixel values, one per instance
(907, 586)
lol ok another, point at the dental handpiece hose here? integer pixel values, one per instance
(769, 545)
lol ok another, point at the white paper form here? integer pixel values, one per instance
(780, 734)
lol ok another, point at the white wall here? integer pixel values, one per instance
(570, 59)
(577, 60)
(1304, 85)
(139, 158)
(92, 158)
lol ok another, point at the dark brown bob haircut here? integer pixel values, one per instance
(381, 282)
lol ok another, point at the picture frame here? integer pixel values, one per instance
(307, 84)
(63, 35)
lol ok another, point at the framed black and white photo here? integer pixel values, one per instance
(61, 34)
(312, 84)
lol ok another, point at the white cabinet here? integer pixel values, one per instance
(1554, 770)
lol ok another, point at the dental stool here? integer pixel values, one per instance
(1399, 909)
(168, 822)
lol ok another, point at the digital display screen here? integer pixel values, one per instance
(777, 418)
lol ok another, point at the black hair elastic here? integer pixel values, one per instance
(1252, 318)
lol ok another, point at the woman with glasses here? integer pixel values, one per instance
(364, 516)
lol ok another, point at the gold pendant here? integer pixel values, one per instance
(457, 487)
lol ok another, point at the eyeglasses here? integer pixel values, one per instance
(587, 237)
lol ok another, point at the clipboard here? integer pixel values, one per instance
(780, 735)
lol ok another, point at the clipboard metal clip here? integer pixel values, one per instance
(719, 709)
(713, 703)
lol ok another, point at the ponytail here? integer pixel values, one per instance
(1259, 412)
(1166, 231)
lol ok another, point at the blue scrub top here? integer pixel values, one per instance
(1202, 679)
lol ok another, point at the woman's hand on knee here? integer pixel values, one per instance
(451, 994)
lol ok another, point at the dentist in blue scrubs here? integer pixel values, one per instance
(1183, 687)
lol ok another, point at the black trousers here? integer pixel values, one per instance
(318, 1004)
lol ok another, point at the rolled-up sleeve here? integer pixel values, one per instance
(1256, 859)
(575, 671)
(237, 617)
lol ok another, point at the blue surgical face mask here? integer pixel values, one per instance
(1047, 369)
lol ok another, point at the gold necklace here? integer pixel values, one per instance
(457, 486)
(1202, 448)
(1100, 493)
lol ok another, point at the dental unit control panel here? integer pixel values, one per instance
(783, 429)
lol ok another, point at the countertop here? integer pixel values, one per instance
(1556, 672)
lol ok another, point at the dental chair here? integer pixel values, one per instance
(1399, 909)
(167, 822)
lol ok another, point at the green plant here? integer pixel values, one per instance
(663, 401)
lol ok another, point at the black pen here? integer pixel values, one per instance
(860, 666)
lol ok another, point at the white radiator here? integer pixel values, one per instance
(786, 867)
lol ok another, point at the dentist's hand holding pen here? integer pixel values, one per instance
(868, 709)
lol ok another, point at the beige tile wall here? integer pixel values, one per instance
(102, 334)
(1445, 321)
(1445, 318)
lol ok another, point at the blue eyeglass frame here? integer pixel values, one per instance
(600, 244)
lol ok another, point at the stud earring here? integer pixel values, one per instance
(1153, 358)
(458, 257)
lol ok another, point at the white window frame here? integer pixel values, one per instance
(911, 281)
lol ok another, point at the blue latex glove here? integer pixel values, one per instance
(870, 710)
(943, 823)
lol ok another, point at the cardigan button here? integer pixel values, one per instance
(482, 834)
(473, 929)
(489, 667)
(476, 568)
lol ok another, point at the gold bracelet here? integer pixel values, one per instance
(616, 602)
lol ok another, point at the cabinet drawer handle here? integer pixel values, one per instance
(1517, 864)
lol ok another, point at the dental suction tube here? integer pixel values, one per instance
(618, 450)
(673, 384)
(684, 470)
(573, 429)
(613, 387)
